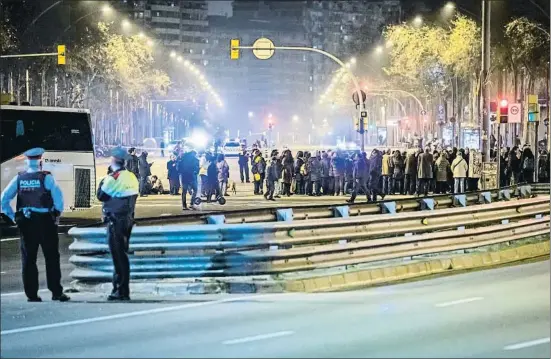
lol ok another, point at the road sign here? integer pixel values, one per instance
(263, 48)
(515, 114)
(355, 97)
(61, 54)
(364, 114)
(423, 113)
(234, 53)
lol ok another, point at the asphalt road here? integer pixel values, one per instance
(497, 313)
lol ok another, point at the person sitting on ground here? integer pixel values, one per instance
(156, 185)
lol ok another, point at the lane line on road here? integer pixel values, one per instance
(131, 314)
(13, 294)
(528, 344)
(9, 239)
(459, 301)
(257, 337)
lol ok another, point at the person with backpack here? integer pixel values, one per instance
(258, 170)
(528, 165)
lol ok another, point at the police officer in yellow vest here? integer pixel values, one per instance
(118, 192)
(39, 206)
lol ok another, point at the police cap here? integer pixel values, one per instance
(119, 153)
(34, 153)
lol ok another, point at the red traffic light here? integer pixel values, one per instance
(503, 103)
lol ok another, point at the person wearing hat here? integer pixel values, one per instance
(119, 191)
(39, 206)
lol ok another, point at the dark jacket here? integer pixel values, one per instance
(243, 159)
(424, 166)
(172, 169)
(398, 165)
(375, 171)
(298, 164)
(132, 165)
(411, 165)
(325, 165)
(188, 167)
(314, 169)
(144, 167)
(337, 166)
(360, 169)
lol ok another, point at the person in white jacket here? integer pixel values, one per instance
(459, 169)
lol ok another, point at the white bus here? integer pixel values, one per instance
(65, 134)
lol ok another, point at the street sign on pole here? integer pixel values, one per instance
(234, 49)
(356, 99)
(515, 114)
(263, 48)
(61, 54)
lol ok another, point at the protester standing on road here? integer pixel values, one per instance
(411, 173)
(348, 174)
(132, 164)
(386, 172)
(528, 165)
(271, 178)
(204, 164)
(223, 174)
(188, 169)
(144, 173)
(299, 178)
(360, 173)
(375, 164)
(173, 180)
(288, 171)
(39, 206)
(162, 148)
(515, 167)
(442, 168)
(118, 192)
(325, 168)
(424, 172)
(459, 168)
(398, 175)
(258, 169)
(244, 166)
(314, 169)
(337, 173)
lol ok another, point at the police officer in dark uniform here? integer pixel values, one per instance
(38, 208)
(118, 192)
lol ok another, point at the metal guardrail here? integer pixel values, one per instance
(219, 249)
(540, 188)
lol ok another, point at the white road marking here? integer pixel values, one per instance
(130, 314)
(9, 239)
(166, 214)
(257, 337)
(456, 302)
(13, 294)
(531, 343)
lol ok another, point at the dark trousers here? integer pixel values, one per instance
(270, 189)
(204, 185)
(359, 185)
(258, 185)
(316, 187)
(188, 186)
(398, 186)
(387, 182)
(244, 172)
(143, 185)
(174, 185)
(441, 187)
(299, 185)
(118, 237)
(410, 184)
(213, 189)
(424, 184)
(325, 183)
(39, 230)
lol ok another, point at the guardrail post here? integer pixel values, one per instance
(485, 197)
(388, 207)
(216, 219)
(460, 199)
(427, 204)
(505, 194)
(284, 215)
(341, 211)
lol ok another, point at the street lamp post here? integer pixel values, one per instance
(486, 125)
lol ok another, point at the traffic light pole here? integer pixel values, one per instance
(331, 56)
(486, 125)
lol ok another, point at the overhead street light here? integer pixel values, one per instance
(418, 20)
(125, 24)
(106, 9)
(251, 114)
(379, 50)
(173, 54)
(295, 118)
(353, 60)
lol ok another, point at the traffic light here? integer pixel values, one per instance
(533, 108)
(61, 54)
(503, 111)
(234, 53)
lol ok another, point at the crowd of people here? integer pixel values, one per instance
(336, 173)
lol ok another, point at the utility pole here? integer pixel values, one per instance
(486, 125)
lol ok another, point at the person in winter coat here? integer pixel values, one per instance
(424, 171)
(528, 163)
(325, 168)
(244, 166)
(188, 169)
(173, 177)
(543, 167)
(442, 167)
(514, 166)
(411, 173)
(459, 168)
(288, 171)
(337, 173)
(386, 172)
(223, 172)
(360, 173)
(272, 176)
(213, 188)
(504, 179)
(348, 174)
(398, 175)
(315, 171)
(144, 171)
(204, 164)
(299, 178)
(132, 163)
(258, 169)
(375, 164)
